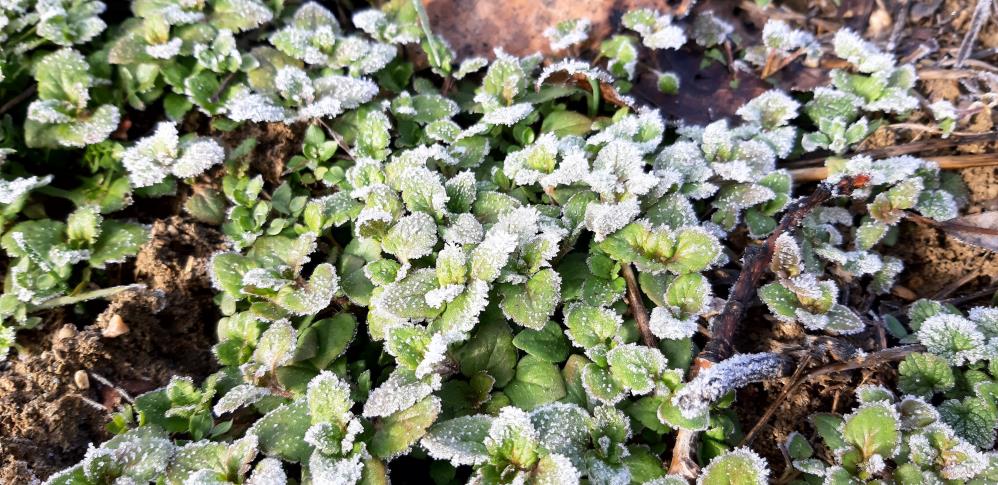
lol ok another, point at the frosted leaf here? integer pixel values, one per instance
(492, 255)
(750, 467)
(986, 319)
(469, 66)
(239, 396)
(94, 129)
(11, 190)
(937, 204)
(864, 55)
(198, 156)
(573, 67)
(412, 237)
(567, 33)
(604, 219)
(862, 263)
(246, 106)
(711, 384)
(464, 229)
(709, 30)
(276, 347)
(965, 462)
(436, 353)
(400, 391)
(636, 367)
(657, 31)
(508, 115)
(670, 479)
(943, 110)
(511, 427)
(528, 165)
(459, 440)
(771, 109)
(66, 23)
(778, 35)
(268, 471)
(148, 161)
(166, 50)
(445, 294)
(952, 337)
(324, 107)
(556, 469)
(686, 158)
(336, 471)
(350, 92)
(666, 326)
(894, 100)
(48, 111)
(573, 168)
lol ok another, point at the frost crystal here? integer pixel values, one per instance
(778, 35)
(239, 396)
(714, 382)
(771, 109)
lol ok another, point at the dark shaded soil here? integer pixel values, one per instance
(46, 420)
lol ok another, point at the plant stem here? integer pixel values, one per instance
(16, 100)
(756, 261)
(637, 305)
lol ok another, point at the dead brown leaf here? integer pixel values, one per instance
(980, 230)
(607, 92)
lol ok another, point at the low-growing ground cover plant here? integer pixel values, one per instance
(502, 270)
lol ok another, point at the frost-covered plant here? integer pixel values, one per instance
(779, 42)
(906, 440)
(568, 33)
(441, 269)
(164, 153)
(64, 114)
(44, 254)
(657, 30)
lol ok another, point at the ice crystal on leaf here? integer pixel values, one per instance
(715, 381)
(953, 337)
(161, 154)
(568, 33)
(657, 31)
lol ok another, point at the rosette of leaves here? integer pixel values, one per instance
(896, 441)
(282, 91)
(44, 254)
(154, 158)
(799, 296)
(188, 47)
(656, 30)
(779, 42)
(69, 22)
(64, 115)
(314, 37)
(270, 276)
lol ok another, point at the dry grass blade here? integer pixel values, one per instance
(948, 162)
(981, 13)
(980, 230)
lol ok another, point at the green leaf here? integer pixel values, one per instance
(490, 349)
(645, 411)
(207, 206)
(780, 300)
(395, 434)
(548, 344)
(974, 419)
(635, 367)
(599, 385)
(689, 293)
(923, 374)
(827, 426)
(536, 382)
(873, 429)
(331, 337)
(695, 251)
(797, 447)
(589, 326)
(276, 346)
(117, 241)
(532, 303)
(739, 467)
(669, 414)
(460, 440)
(282, 432)
(566, 123)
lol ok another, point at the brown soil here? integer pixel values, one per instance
(46, 421)
(934, 262)
(276, 144)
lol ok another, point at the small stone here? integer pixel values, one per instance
(82, 380)
(115, 327)
(67, 331)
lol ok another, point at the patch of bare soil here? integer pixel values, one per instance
(276, 144)
(50, 411)
(936, 262)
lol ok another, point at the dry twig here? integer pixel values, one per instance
(637, 305)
